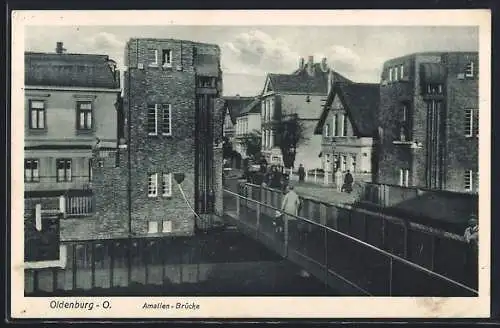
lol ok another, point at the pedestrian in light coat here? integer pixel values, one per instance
(290, 207)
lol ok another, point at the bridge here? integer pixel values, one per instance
(353, 266)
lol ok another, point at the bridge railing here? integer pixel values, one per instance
(436, 250)
(334, 256)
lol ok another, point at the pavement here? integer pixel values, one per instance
(317, 191)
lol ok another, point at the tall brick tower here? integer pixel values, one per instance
(170, 88)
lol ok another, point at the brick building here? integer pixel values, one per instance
(347, 126)
(428, 134)
(70, 100)
(170, 91)
(300, 93)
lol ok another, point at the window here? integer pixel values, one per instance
(468, 180)
(31, 170)
(344, 126)
(152, 57)
(404, 127)
(343, 165)
(152, 120)
(90, 169)
(167, 58)
(153, 185)
(353, 163)
(167, 185)
(404, 177)
(84, 115)
(401, 71)
(334, 125)
(395, 74)
(469, 69)
(167, 120)
(434, 89)
(475, 129)
(37, 114)
(63, 170)
(390, 74)
(469, 122)
(327, 130)
(167, 226)
(152, 227)
(206, 82)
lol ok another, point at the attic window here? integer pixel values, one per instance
(308, 99)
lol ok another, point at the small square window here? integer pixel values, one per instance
(167, 226)
(152, 227)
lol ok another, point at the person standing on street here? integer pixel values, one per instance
(348, 181)
(302, 173)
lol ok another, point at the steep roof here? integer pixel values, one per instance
(69, 70)
(361, 102)
(236, 104)
(253, 107)
(301, 82)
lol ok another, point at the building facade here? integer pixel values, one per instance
(70, 100)
(428, 134)
(248, 123)
(301, 94)
(347, 126)
(234, 105)
(166, 178)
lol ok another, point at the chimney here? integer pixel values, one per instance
(59, 48)
(331, 80)
(324, 64)
(310, 66)
(301, 63)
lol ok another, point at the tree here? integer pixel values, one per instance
(252, 144)
(291, 134)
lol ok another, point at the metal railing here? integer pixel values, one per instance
(338, 259)
(442, 252)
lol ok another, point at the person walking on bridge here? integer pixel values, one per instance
(290, 208)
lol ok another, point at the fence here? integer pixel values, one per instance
(351, 265)
(443, 253)
(72, 203)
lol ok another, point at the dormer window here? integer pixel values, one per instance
(167, 58)
(469, 69)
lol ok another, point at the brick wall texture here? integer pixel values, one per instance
(151, 154)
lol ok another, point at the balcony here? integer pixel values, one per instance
(71, 203)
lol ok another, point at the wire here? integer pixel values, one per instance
(187, 202)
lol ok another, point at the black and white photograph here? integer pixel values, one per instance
(250, 164)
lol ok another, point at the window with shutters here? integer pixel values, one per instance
(153, 185)
(37, 114)
(63, 170)
(166, 184)
(84, 115)
(152, 120)
(31, 170)
(167, 119)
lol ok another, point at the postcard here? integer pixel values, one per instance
(250, 164)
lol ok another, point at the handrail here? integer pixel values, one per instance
(433, 231)
(381, 251)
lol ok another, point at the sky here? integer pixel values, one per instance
(248, 53)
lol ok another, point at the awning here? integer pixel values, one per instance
(432, 73)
